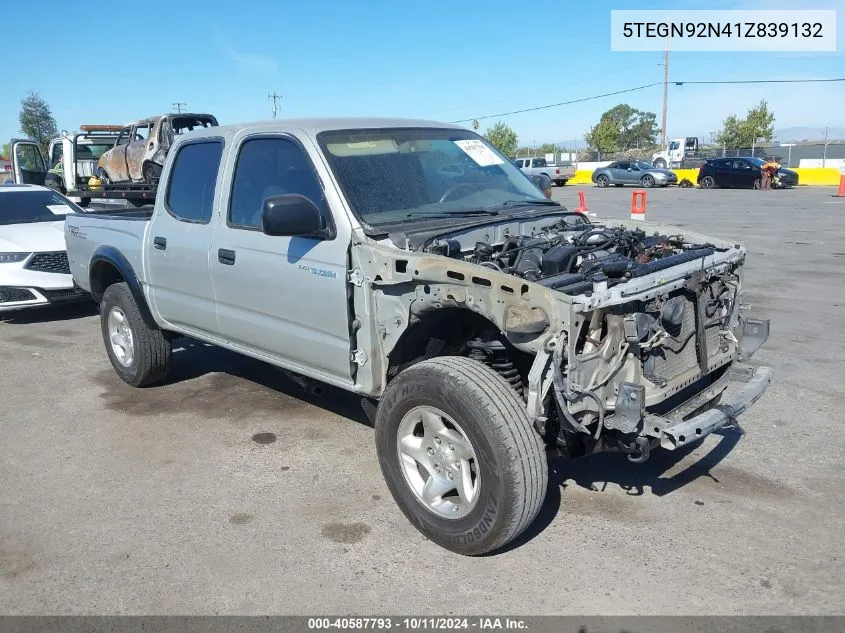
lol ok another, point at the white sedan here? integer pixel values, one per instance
(34, 268)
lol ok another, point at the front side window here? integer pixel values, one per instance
(270, 167)
(394, 175)
(29, 157)
(190, 192)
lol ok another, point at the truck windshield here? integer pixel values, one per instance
(394, 175)
(24, 207)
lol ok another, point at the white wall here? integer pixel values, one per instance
(835, 163)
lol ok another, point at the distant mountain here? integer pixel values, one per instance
(797, 134)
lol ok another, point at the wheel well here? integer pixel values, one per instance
(103, 275)
(449, 332)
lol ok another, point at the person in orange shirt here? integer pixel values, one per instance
(767, 173)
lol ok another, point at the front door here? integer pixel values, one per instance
(179, 239)
(282, 297)
(28, 166)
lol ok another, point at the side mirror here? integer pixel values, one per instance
(293, 215)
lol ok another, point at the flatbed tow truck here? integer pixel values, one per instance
(76, 180)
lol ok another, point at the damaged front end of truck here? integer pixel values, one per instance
(617, 336)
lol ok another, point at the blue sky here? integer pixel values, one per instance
(432, 59)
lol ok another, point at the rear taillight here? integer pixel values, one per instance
(557, 171)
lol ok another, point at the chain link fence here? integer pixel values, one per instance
(821, 154)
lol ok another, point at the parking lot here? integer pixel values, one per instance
(228, 490)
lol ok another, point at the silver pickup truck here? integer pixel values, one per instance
(412, 263)
(535, 166)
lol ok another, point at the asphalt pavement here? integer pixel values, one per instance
(228, 490)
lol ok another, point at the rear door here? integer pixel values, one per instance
(723, 173)
(114, 160)
(179, 238)
(622, 172)
(28, 164)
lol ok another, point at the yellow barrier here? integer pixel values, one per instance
(826, 176)
(817, 176)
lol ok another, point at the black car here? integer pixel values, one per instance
(742, 173)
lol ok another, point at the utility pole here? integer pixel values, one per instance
(665, 93)
(276, 98)
(826, 143)
(178, 105)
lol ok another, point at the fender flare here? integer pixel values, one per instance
(113, 257)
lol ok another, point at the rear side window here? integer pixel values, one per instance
(190, 192)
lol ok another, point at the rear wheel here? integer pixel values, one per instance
(139, 354)
(602, 180)
(757, 183)
(459, 455)
(708, 182)
(150, 173)
(647, 181)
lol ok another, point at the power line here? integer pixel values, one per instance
(760, 81)
(178, 105)
(643, 87)
(554, 105)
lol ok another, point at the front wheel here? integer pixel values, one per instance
(139, 353)
(459, 454)
(602, 180)
(647, 181)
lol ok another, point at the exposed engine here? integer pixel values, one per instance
(570, 256)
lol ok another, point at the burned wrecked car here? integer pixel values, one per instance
(141, 147)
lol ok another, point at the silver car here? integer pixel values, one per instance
(633, 173)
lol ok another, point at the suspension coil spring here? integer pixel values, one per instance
(493, 353)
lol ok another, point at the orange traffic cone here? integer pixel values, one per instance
(638, 204)
(582, 206)
(841, 192)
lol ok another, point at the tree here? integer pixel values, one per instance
(503, 137)
(546, 148)
(741, 133)
(633, 128)
(603, 136)
(37, 121)
(6, 152)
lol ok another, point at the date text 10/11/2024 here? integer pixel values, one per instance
(417, 624)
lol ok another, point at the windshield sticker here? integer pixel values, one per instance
(59, 209)
(479, 152)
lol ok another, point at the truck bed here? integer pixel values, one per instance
(120, 230)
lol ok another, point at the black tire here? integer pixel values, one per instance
(757, 183)
(510, 457)
(602, 181)
(84, 202)
(149, 173)
(152, 349)
(708, 182)
(560, 183)
(660, 163)
(647, 181)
